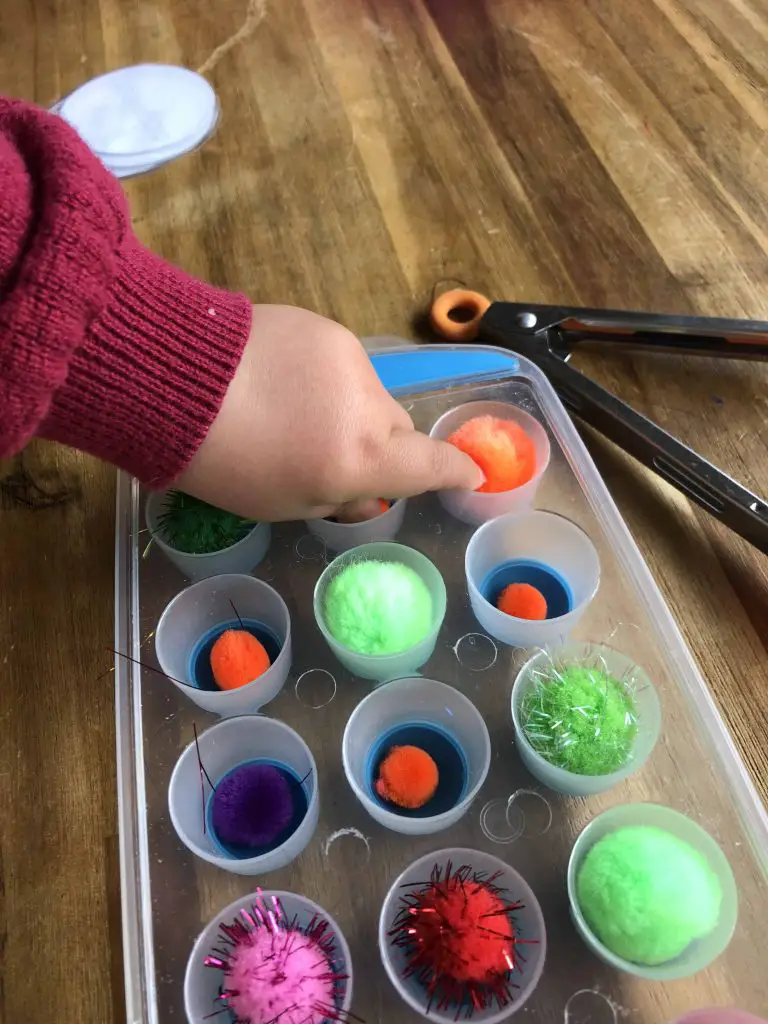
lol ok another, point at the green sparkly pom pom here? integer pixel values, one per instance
(193, 526)
(580, 719)
(378, 608)
(647, 895)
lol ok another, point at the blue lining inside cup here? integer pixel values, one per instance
(547, 580)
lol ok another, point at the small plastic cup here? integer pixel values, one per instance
(623, 669)
(225, 746)
(701, 952)
(415, 701)
(345, 536)
(243, 556)
(207, 606)
(202, 984)
(384, 666)
(529, 926)
(543, 539)
(476, 507)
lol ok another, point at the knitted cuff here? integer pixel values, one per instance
(144, 388)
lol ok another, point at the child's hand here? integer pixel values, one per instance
(307, 428)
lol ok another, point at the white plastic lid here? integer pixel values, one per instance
(137, 118)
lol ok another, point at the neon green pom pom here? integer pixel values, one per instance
(580, 719)
(647, 894)
(378, 607)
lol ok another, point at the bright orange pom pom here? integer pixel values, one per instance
(523, 601)
(408, 777)
(501, 448)
(237, 658)
(381, 506)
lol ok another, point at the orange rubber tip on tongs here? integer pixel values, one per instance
(467, 308)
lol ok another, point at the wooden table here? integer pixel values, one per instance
(587, 152)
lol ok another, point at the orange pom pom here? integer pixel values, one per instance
(237, 658)
(408, 777)
(501, 448)
(523, 601)
(375, 507)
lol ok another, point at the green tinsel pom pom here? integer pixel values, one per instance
(378, 607)
(580, 719)
(193, 526)
(647, 894)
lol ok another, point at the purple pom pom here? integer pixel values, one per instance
(252, 805)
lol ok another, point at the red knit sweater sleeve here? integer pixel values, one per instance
(103, 346)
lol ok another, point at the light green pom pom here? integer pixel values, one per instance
(647, 895)
(378, 607)
(580, 719)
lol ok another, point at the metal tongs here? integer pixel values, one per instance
(547, 335)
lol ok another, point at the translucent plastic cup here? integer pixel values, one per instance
(243, 556)
(345, 536)
(385, 666)
(623, 669)
(223, 747)
(529, 925)
(210, 604)
(476, 507)
(202, 984)
(422, 702)
(701, 952)
(545, 539)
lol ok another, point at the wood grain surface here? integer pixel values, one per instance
(573, 151)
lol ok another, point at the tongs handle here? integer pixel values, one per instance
(721, 496)
(523, 330)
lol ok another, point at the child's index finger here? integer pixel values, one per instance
(412, 463)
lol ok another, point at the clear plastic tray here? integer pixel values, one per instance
(169, 896)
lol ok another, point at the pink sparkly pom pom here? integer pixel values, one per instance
(277, 971)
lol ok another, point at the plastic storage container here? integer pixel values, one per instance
(352, 862)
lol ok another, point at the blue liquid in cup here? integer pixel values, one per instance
(444, 751)
(551, 584)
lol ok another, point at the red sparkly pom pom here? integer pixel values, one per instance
(459, 939)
